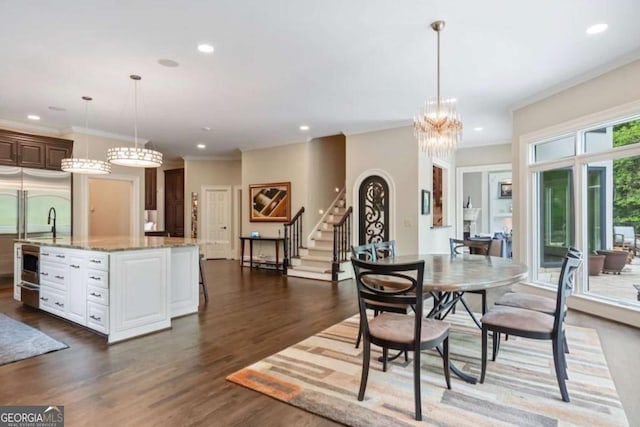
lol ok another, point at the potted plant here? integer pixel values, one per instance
(596, 264)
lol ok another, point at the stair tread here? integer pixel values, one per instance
(309, 268)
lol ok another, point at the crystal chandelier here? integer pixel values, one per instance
(86, 166)
(135, 156)
(438, 126)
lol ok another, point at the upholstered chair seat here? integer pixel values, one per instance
(399, 328)
(528, 302)
(520, 319)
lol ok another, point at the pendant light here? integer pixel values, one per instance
(135, 156)
(438, 126)
(86, 166)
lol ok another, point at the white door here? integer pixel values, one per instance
(217, 222)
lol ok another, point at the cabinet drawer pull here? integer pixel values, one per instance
(95, 261)
(60, 256)
(44, 299)
(44, 273)
(95, 277)
(45, 253)
(59, 304)
(74, 266)
(96, 295)
(95, 318)
(59, 277)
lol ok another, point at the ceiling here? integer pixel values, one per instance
(334, 65)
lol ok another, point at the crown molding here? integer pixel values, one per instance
(582, 78)
(211, 158)
(94, 132)
(29, 127)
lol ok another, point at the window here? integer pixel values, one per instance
(587, 194)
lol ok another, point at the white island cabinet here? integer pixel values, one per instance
(122, 288)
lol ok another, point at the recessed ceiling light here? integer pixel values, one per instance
(33, 117)
(201, 146)
(597, 28)
(304, 128)
(205, 48)
(54, 108)
(168, 63)
(206, 128)
(478, 128)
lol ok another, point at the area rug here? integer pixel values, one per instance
(19, 341)
(322, 374)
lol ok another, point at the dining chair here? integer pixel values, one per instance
(385, 249)
(479, 247)
(534, 324)
(536, 302)
(397, 331)
(370, 252)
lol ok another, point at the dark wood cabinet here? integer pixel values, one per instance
(150, 188)
(174, 202)
(33, 151)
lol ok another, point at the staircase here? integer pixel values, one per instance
(316, 260)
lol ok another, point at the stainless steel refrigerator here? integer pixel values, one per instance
(26, 198)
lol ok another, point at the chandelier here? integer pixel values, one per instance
(135, 156)
(438, 126)
(86, 166)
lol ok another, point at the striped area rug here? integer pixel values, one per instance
(322, 375)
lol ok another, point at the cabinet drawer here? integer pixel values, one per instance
(52, 255)
(52, 301)
(99, 295)
(98, 278)
(98, 261)
(53, 274)
(98, 317)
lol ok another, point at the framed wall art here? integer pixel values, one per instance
(270, 202)
(505, 190)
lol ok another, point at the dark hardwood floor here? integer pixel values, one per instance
(177, 377)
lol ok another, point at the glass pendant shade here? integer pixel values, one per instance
(134, 157)
(137, 157)
(438, 127)
(86, 166)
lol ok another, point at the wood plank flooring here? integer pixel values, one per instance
(177, 377)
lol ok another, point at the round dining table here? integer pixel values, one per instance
(448, 277)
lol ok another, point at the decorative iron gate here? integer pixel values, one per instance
(373, 205)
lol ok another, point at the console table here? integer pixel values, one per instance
(276, 241)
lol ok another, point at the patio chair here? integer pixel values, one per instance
(625, 236)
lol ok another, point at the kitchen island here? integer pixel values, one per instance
(122, 287)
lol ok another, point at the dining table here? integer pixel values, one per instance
(447, 277)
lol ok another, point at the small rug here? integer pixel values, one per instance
(322, 375)
(19, 341)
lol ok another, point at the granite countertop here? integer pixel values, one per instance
(113, 244)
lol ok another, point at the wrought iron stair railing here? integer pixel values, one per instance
(341, 243)
(292, 239)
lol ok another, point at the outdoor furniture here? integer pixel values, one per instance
(625, 236)
(614, 261)
(534, 324)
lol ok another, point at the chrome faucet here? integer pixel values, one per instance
(53, 229)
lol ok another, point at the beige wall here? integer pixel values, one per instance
(394, 153)
(285, 163)
(610, 90)
(198, 173)
(326, 172)
(485, 155)
(109, 213)
(98, 146)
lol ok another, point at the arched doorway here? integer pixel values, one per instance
(373, 212)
